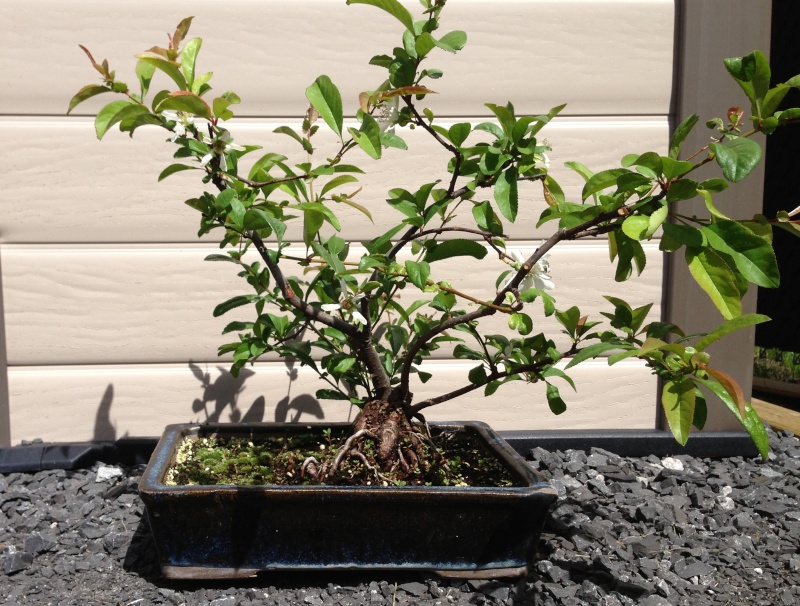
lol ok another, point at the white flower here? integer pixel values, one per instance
(219, 145)
(538, 277)
(546, 161)
(182, 121)
(346, 304)
(386, 114)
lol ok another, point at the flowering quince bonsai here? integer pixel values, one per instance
(340, 314)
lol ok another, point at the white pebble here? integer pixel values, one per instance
(726, 503)
(105, 472)
(672, 463)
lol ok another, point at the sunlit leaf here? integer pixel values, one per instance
(678, 400)
(393, 7)
(86, 93)
(737, 157)
(327, 100)
(715, 276)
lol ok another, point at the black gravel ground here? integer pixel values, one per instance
(624, 531)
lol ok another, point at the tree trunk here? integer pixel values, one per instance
(386, 422)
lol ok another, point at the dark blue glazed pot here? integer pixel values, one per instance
(237, 531)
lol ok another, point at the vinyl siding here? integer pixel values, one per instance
(106, 298)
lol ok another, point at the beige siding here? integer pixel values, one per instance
(107, 300)
(108, 402)
(111, 199)
(602, 57)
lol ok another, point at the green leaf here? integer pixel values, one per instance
(714, 275)
(144, 71)
(391, 140)
(700, 409)
(330, 394)
(486, 218)
(682, 189)
(394, 8)
(531, 294)
(737, 157)
(452, 41)
(678, 400)
(458, 133)
(675, 168)
(506, 193)
(751, 421)
(455, 248)
(602, 180)
(557, 405)
(590, 352)
(233, 303)
(520, 322)
(477, 376)
(505, 116)
(752, 254)
(174, 168)
(184, 101)
(650, 164)
(368, 136)
(288, 130)
(680, 134)
(462, 352)
(327, 100)
(85, 93)
(265, 163)
(569, 319)
(636, 226)
(312, 223)
(221, 104)
(749, 72)
(336, 182)
(714, 185)
(773, 99)
(109, 115)
(189, 58)
(170, 68)
(728, 327)
(418, 273)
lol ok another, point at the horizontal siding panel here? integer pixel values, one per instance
(108, 192)
(141, 305)
(79, 403)
(539, 54)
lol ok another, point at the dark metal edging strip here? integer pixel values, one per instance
(626, 442)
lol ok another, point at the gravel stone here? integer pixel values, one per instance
(624, 531)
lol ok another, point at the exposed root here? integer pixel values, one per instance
(383, 441)
(346, 448)
(360, 456)
(311, 467)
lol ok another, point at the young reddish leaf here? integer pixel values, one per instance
(731, 386)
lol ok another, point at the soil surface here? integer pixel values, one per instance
(646, 531)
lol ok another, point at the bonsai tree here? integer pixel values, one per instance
(339, 312)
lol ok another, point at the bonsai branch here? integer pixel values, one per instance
(494, 375)
(458, 157)
(291, 297)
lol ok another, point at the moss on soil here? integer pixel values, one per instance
(278, 460)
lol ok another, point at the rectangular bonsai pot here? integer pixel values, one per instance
(237, 531)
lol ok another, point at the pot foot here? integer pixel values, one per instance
(489, 573)
(186, 573)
